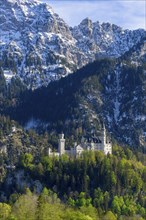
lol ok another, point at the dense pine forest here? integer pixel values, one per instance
(93, 186)
(80, 102)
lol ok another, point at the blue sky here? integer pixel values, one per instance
(129, 14)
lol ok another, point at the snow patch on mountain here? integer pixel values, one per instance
(117, 103)
(38, 46)
(35, 124)
(8, 75)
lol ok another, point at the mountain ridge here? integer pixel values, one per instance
(38, 46)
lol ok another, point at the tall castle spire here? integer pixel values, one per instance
(103, 136)
(61, 144)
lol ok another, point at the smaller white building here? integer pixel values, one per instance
(3, 148)
(101, 143)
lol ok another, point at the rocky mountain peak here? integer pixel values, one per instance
(37, 46)
(106, 38)
(86, 26)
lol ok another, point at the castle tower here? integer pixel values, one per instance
(106, 145)
(92, 146)
(103, 137)
(61, 144)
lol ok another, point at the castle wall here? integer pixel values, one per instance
(108, 149)
(78, 149)
(61, 144)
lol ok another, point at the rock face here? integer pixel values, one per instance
(124, 98)
(105, 39)
(38, 46)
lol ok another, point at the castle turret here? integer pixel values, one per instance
(92, 146)
(61, 144)
(103, 136)
(106, 145)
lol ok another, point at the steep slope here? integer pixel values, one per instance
(105, 39)
(35, 43)
(38, 46)
(109, 90)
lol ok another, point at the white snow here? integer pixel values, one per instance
(31, 29)
(140, 118)
(117, 103)
(8, 74)
(34, 123)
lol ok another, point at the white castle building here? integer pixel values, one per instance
(102, 143)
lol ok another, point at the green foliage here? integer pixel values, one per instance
(109, 216)
(5, 211)
(25, 207)
(114, 182)
(44, 207)
(26, 160)
(92, 182)
(117, 204)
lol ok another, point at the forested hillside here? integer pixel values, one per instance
(109, 90)
(93, 186)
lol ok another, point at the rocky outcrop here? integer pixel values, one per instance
(38, 46)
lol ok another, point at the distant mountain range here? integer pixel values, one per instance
(37, 46)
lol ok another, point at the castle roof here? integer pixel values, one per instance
(79, 147)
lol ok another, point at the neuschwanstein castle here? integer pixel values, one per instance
(102, 144)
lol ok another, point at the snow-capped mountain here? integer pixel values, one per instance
(107, 39)
(38, 46)
(35, 42)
